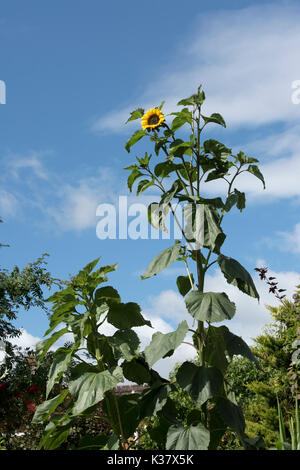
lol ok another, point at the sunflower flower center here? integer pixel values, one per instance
(154, 119)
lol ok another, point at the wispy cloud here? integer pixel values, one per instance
(76, 204)
(67, 202)
(16, 164)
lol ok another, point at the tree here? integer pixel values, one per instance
(22, 289)
(276, 349)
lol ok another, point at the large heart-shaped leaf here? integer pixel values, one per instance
(209, 306)
(188, 438)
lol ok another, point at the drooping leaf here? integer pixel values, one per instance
(241, 157)
(55, 437)
(237, 275)
(163, 169)
(166, 417)
(138, 135)
(182, 117)
(256, 172)
(178, 148)
(162, 260)
(200, 382)
(238, 198)
(163, 345)
(235, 345)
(172, 192)
(134, 175)
(215, 348)
(202, 225)
(209, 306)
(214, 236)
(157, 214)
(232, 415)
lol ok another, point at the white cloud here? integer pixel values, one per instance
(25, 340)
(168, 304)
(76, 206)
(289, 241)
(246, 64)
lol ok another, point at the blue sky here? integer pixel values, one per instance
(74, 70)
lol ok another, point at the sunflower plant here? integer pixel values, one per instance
(181, 168)
(99, 362)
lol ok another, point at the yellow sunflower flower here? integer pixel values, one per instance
(153, 118)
